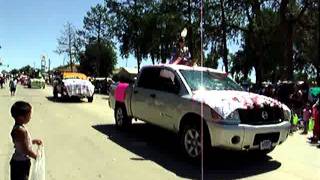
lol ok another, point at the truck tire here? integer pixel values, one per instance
(90, 99)
(190, 140)
(121, 117)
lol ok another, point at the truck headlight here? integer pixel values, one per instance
(234, 116)
(287, 114)
(215, 116)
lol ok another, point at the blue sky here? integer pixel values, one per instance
(29, 29)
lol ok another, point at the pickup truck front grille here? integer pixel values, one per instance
(261, 116)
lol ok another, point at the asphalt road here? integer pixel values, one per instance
(81, 143)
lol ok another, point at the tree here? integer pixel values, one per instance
(95, 53)
(306, 42)
(221, 22)
(69, 43)
(151, 28)
(96, 24)
(14, 71)
(28, 70)
(97, 33)
(212, 59)
(274, 34)
(290, 13)
(129, 26)
(277, 37)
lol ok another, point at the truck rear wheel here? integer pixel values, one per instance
(121, 117)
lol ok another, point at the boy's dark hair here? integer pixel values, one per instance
(20, 108)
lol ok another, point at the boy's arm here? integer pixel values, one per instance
(21, 136)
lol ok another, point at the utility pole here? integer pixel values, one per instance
(49, 61)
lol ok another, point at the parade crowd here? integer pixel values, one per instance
(303, 100)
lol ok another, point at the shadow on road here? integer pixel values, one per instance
(65, 100)
(160, 146)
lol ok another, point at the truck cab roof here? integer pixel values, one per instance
(184, 67)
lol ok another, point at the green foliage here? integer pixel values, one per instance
(27, 70)
(96, 24)
(98, 59)
(150, 29)
(211, 60)
(14, 71)
(277, 38)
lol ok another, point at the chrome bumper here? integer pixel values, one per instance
(246, 137)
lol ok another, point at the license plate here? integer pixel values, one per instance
(265, 144)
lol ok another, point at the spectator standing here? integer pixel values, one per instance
(316, 117)
(306, 116)
(20, 161)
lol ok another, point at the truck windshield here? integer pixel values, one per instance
(211, 81)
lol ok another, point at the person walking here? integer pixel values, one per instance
(13, 86)
(2, 81)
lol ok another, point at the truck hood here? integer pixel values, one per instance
(226, 101)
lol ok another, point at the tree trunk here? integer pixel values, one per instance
(152, 59)
(71, 61)
(224, 37)
(286, 28)
(138, 63)
(289, 55)
(100, 60)
(259, 74)
(190, 31)
(318, 75)
(70, 54)
(139, 58)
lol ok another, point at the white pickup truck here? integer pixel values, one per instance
(177, 98)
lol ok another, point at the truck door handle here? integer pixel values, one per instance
(153, 95)
(135, 91)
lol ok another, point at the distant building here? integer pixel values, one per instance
(67, 68)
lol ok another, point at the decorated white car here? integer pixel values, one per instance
(181, 98)
(73, 85)
(37, 83)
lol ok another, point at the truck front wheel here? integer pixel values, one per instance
(55, 93)
(121, 117)
(90, 99)
(190, 141)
